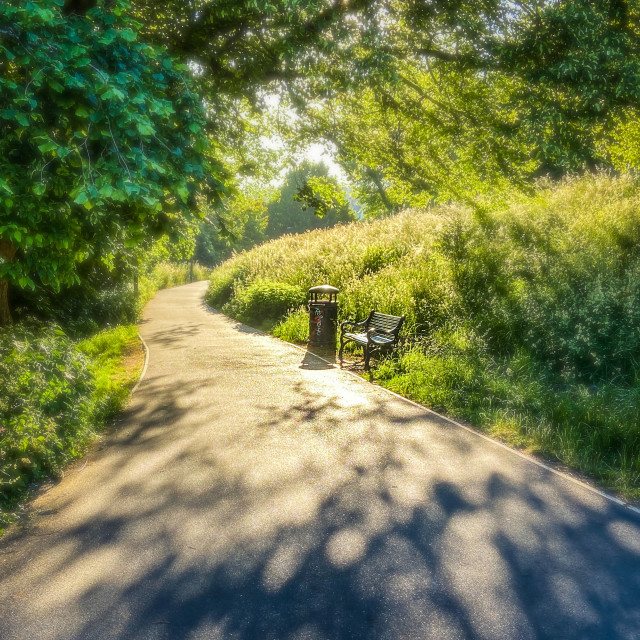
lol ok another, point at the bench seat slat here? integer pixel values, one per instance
(361, 338)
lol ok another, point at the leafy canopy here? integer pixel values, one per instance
(102, 139)
(424, 100)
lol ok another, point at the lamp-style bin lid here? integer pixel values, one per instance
(323, 290)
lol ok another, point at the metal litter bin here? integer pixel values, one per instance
(323, 316)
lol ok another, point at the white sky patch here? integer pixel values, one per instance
(316, 152)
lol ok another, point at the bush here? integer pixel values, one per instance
(81, 310)
(264, 302)
(104, 298)
(558, 277)
(295, 327)
(45, 407)
(222, 284)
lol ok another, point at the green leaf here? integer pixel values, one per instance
(50, 145)
(128, 34)
(81, 198)
(182, 192)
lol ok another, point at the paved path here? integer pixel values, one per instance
(250, 493)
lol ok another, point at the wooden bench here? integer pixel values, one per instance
(377, 334)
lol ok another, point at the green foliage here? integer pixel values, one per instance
(557, 277)
(437, 101)
(263, 302)
(295, 327)
(102, 140)
(44, 402)
(56, 395)
(81, 309)
(523, 320)
(308, 199)
(45, 406)
(104, 298)
(241, 223)
(222, 283)
(170, 274)
(112, 379)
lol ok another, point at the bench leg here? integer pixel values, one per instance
(367, 357)
(341, 348)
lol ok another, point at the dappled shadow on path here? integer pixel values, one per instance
(329, 518)
(176, 336)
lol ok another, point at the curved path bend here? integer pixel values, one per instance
(249, 492)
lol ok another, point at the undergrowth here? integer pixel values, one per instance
(524, 320)
(57, 394)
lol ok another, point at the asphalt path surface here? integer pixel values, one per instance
(252, 492)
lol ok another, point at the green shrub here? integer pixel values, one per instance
(264, 302)
(81, 310)
(295, 327)
(558, 277)
(222, 283)
(45, 407)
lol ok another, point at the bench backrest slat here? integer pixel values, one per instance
(384, 322)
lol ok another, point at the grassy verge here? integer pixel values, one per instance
(522, 320)
(59, 392)
(58, 395)
(117, 359)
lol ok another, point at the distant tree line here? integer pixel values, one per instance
(294, 207)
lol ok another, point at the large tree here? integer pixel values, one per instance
(514, 89)
(453, 99)
(103, 141)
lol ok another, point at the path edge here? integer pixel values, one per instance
(625, 505)
(145, 348)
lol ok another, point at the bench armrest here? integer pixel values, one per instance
(352, 323)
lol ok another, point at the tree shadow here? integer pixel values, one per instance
(330, 518)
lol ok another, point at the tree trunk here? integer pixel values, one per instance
(375, 177)
(7, 253)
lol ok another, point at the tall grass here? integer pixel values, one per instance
(524, 320)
